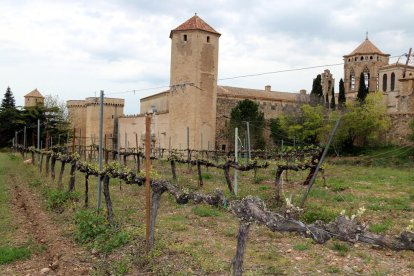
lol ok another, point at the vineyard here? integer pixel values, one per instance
(204, 222)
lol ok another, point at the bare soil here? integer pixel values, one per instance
(60, 256)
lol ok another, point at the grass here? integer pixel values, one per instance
(379, 228)
(9, 254)
(206, 211)
(341, 248)
(199, 239)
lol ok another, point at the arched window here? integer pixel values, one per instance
(352, 80)
(384, 82)
(366, 77)
(392, 81)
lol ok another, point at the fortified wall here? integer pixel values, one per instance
(84, 116)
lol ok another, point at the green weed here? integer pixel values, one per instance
(314, 213)
(340, 248)
(57, 199)
(10, 254)
(301, 247)
(206, 211)
(380, 227)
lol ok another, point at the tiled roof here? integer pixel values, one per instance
(35, 94)
(195, 23)
(366, 47)
(246, 93)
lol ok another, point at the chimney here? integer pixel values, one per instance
(268, 88)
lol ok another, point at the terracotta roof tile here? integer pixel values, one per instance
(366, 47)
(35, 93)
(195, 23)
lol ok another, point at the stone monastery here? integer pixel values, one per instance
(194, 111)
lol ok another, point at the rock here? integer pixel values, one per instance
(298, 258)
(45, 271)
(348, 269)
(54, 265)
(289, 250)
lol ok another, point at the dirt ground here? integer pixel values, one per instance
(58, 254)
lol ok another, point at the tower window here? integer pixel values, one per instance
(185, 37)
(362, 58)
(208, 39)
(384, 82)
(392, 81)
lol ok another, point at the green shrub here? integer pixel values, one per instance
(93, 228)
(56, 199)
(90, 225)
(10, 254)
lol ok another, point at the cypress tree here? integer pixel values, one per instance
(316, 95)
(333, 104)
(362, 90)
(341, 96)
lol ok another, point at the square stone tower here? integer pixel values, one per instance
(193, 81)
(366, 59)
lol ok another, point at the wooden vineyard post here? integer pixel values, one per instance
(147, 176)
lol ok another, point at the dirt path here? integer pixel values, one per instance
(61, 256)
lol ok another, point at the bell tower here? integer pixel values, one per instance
(366, 59)
(193, 81)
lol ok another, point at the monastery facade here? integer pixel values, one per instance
(194, 111)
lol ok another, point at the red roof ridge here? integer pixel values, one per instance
(195, 23)
(366, 47)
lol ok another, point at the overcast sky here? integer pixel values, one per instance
(73, 48)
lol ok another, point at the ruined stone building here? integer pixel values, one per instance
(194, 111)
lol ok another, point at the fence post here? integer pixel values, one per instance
(236, 136)
(147, 176)
(100, 150)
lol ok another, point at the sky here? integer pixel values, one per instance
(73, 49)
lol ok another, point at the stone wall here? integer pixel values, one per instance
(132, 130)
(400, 131)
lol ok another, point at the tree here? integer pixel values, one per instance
(341, 96)
(8, 100)
(316, 95)
(247, 111)
(10, 118)
(363, 124)
(307, 127)
(333, 105)
(277, 132)
(362, 90)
